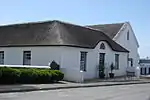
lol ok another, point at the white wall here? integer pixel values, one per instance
(71, 61)
(68, 58)
(39, 55)
(110, 58)
(130, 44)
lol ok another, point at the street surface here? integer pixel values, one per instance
(124, 92)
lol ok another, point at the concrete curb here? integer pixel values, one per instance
(69, 87)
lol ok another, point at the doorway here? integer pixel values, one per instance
(101, 65)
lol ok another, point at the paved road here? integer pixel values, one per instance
(126, 92)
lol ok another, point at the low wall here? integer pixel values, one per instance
(28, 66)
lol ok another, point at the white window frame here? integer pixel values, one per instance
(116, 61)
(83, 60)
(1, 57)
(26, 57)
(131, 62)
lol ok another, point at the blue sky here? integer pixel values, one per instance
(83, 12)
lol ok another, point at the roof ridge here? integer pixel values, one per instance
(27, 23)
(79, 26)
(108, 23)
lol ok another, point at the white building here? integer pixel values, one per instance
(145, 66)
(73, 47)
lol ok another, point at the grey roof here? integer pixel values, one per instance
(53, 33)
(144, 61)
(109, 29)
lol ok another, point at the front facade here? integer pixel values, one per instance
(69, 59)
(123, 34)
(127, 39)
(72, 51)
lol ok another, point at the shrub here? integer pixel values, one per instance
(29, 75)
(9, 75)
(44, 76)
(57, 75)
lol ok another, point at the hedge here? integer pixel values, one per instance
(29, 75)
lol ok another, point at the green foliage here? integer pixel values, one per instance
(9, 75)
(54, 65)
(57, 75)
(29, 75)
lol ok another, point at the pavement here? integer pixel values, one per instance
(121, 92)
(68, 85)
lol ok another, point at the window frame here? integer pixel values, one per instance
(1, 57)
(117, 61)
(102, 46)
(26, 57)
(83, 61)
(131, 61)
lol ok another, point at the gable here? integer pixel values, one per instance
(124, 31)
(133, 34)
(113, 30)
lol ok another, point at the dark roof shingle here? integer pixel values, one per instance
(53, 33)
(109, 29)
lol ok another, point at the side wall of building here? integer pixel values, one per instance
(69, 59)
(130, 44)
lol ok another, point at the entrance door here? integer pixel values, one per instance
(101, 59)
(101, 64)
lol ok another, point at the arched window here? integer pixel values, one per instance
(102, 46)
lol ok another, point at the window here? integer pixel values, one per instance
(102, 46)
(128, 60)
(27, 58)
(1, 57)
(83, 61)
(116, 61)
(131, 61)
(128, 35)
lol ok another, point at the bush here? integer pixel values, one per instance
(29, 75)
(9, 75)
(44, 76)
(57, 75)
